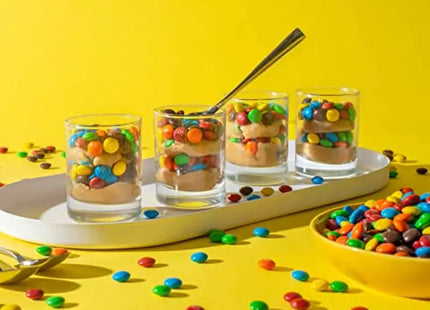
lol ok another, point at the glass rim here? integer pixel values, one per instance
(270, 95)
(328, 91)
(159, 111)
(133, 119)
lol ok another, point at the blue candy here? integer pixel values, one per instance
(305, 138)
(103, 172)
(356, 216)
(199, 167)
(199, 257)
(425, 250)
(261, 232)
(317, 180)
(150, 214)
(189, 122)
(339, 219)
(300, 275)
(253, 197)
(307, 113)
(111, 179)
(348, 210)
(331, 136)
(72, 139)
(315, 105)
(424, 207)
(121, 276)
(424, 196)
(363, 208)
(389, 213)
(173, 282)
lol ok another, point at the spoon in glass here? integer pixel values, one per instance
(283, 48)
(42, 264)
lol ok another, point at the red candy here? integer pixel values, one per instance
(195, 308)
(180, 134)
(285, 188)
(327, 105)
(290, 296)
(209, 135)
(146, 262)
(425, 240)
(34, 293)
(359, 308)
(206, 125)
(411, 200)
(1, 184)
(428, 199)
(416, 244)
(405, 190)
(97, 183)
(80, 142)
(242, 118)
(266, 263)
(299, 304)
(3, 149)
(234, 197)
(331, 224)
(50, 148)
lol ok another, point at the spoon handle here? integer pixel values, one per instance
(284, 47)
(13, 254)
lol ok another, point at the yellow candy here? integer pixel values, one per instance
(426, 231)
(252, 104)
(325, 231)
(275, 140)
(399, 158)
(332, 115)
(28, 145)
(320, 285)
(370, 203)
(119, 168)
(313, 138)
(10, 307)
(397, 194)
(393, 199)
(382, 224)
(83, 170)
(110, 145)
(262, 106)
(73, 173)
(267, 191)
(238, 107)
(411, 210)
(344, 223)
(371, 244)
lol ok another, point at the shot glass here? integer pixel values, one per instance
(189, 156)
(257, 138)
(103, 167)
(327, 132)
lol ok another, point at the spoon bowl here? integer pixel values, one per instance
(9, 275)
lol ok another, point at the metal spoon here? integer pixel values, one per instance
(284, 47)
(10, 275)
(41, 263)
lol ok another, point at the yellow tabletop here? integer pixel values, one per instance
(231, 279)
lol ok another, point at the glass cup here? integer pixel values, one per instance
(257, 138)
(327, 132)
(103, 167)
(189, 156)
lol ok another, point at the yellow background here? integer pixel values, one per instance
(63, 58)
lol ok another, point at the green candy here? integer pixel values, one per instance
(44, 250)
(349, 137)
(55, 301)
(133, 147)
(423, 221)
(169, 142)
(22, 154)
(235, 140)
(326, 143)
(338, 106)
(161, 290)
(182, 159)
(90, 136)
(335, 233)
(216, 236)
(128, 135)
(258, 305)
(255, 116)
(355, 243)
(63, 154)
(339, 286)
(342, 136)
(229, 239)
(278, 109)
(379, 237)
(393, 174)
(351, 114)
(282, 138)
(337, 213)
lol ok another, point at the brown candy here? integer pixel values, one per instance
(411, 235)
(32, 158)
(40, 155)
(406, 249)
(391, 236)
(421, 170)
(267, 119)
(246, 190)
(83, 179)
(320, 114)
(45, 165)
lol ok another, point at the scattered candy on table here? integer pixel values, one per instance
(215, 235)
(10, 307)
(34, 293)
(229, 239)
(261, 232)
(300, 275)
(290, 296)
(195, 307)
(161, 290)
(199, 257)
(258, 305)
(267, 264)
(173, 282)
(421, 171)
(55, 301)
(146, 262)
(3, 150)
(59, 251)
(45, 165)
(121, 276)
(252, 197)
(320, 285)
(299, 304)
(339, 286)
(22, 154)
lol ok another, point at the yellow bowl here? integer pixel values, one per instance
(396, 275)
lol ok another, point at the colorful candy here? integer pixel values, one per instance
(3, 150)
(285, 188)
(173, 282)
(44, 250)
(317, 180)
(300, 275)
(246, 190)
(290, 296)
(34, 293)
(261, 232)
(146, 262)
(22, 154)
(150, 214)
(266, 191)
(234, 197)
(121, 276)
(267, 264)
(339, 286)
(258, 305)
(199, 257)
(55, 301)
(215, 235)
(300, 304)
(229, 239)
(161, 290)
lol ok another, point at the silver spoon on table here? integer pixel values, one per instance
(10, 275)
(42, 264)
(283, 48)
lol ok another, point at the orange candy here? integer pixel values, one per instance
(266, 263)
(135, 132)
(101, 133)
(95, 148)
(229, 108)
(342, 239)
(59, 251)
(346, 229)
(386, 248)
(401, 254)
(194, 135)
(400, 225)
(331, 237)
(251, 147)
(168, 163)
(357, 231)
(167, 132)
(383, 204)
(403, 217)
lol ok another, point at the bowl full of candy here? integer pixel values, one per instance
(383, 244)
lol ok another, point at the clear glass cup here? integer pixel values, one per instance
(189, 156)
(103, 167)
(327, 132)
(257, 138)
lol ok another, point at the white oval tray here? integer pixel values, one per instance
(35, 210)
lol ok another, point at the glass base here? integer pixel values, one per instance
(191, 200)
(310, 168)
(255, 175)
(98, 213)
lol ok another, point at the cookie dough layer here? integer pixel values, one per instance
(203, 148)
(198, 181)
(314, 126)
(254, 130)
(116, 193)
(327, 155)
(267, 155)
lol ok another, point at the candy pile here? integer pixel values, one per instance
(104, 165)
(398, 225)
(189, 151)
(256, 134)
(246, 191)
(326, 131)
